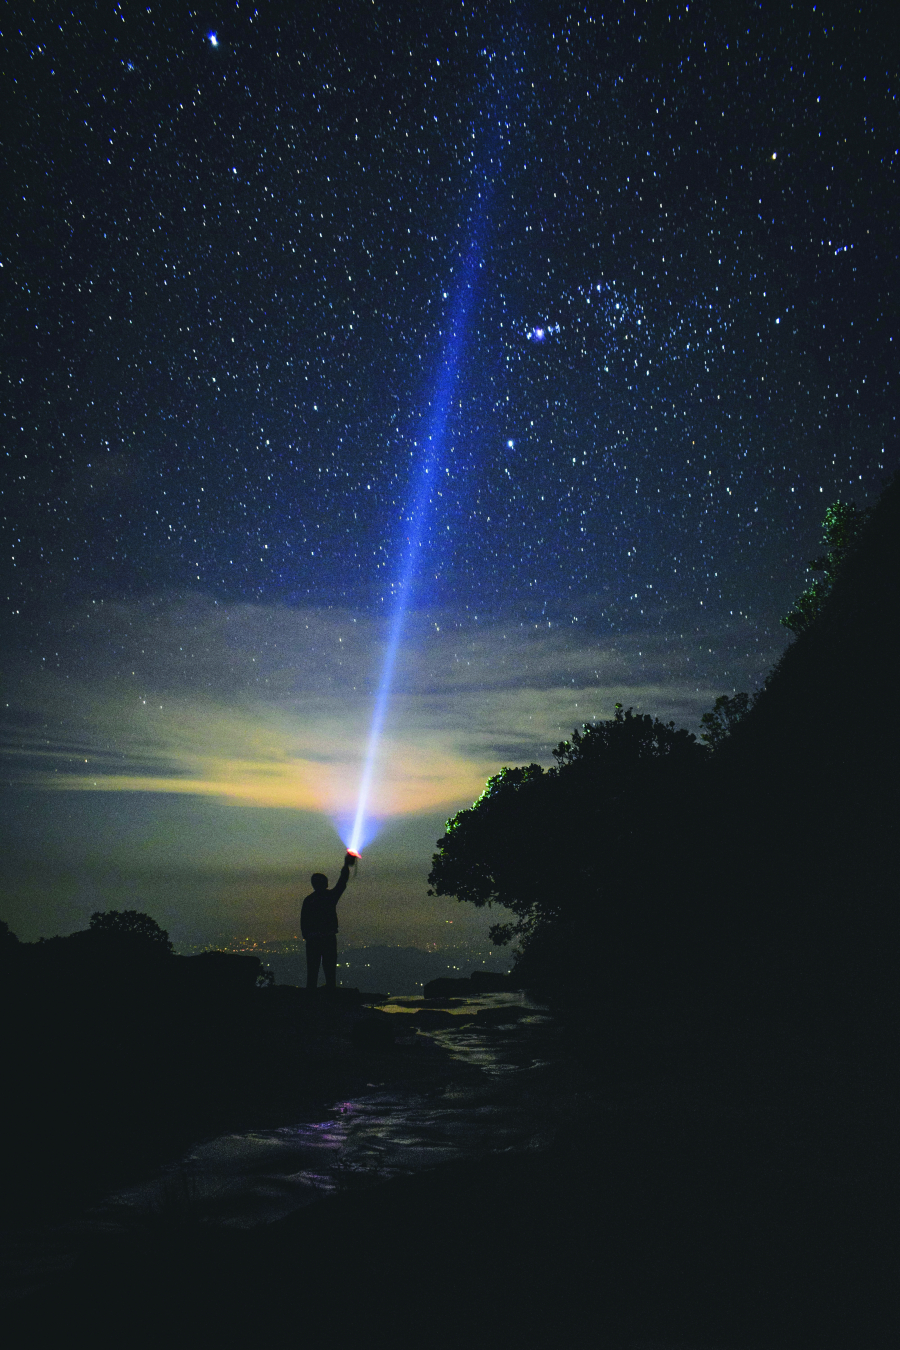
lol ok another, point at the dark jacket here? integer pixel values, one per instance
(319, 912)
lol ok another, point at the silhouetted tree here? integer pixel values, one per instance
(131, 924)
(628, 743)
(487, 854)
(726, 714)
(540, 841)
(841, 529)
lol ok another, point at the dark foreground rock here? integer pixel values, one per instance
(737, 1193)
(497, 1016)
(117, 1066)
(671, 1224)
(432, 1019)
(376, 1032)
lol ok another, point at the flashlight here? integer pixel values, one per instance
(352, 853)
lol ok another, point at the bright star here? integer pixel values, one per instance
(213, 39)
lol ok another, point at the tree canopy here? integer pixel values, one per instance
(841, 529)
(627, 743)
(132, 925)
(540, 841)
(727, 712)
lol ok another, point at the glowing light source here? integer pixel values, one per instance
(213, 39)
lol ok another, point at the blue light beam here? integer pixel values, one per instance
(421, 496)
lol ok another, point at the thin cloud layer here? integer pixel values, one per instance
(268, 706)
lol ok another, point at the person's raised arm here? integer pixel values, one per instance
(349, 860)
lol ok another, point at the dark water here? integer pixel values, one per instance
(480, 1087)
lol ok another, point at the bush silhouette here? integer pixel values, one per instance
(131, 924)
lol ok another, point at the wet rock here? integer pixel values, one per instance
(479, 982)
(497, 1016)
(430, 1019)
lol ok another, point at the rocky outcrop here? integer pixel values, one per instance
(493, 1017)
(433, 1019)
(479, 982)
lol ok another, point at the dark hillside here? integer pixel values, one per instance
(807, 795)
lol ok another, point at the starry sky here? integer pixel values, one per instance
(586, 313)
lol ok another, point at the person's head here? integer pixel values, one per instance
(319, 882)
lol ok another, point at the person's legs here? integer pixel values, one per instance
(329, 959)
(313, 957)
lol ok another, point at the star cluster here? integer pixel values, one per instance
(229, 256)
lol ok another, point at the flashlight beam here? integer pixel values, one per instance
(417, 514)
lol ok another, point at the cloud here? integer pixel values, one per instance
(198, 760)
(268, 706)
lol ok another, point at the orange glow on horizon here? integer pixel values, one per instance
(413, 780)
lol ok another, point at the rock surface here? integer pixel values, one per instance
(479, 982)
(497, 1016)
(432, 1019)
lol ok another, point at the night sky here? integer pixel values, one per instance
(646, 256)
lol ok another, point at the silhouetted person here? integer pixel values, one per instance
(319, 925)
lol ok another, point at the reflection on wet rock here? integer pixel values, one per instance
(430, 1018)
(465, 1079)
(498, 1016)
